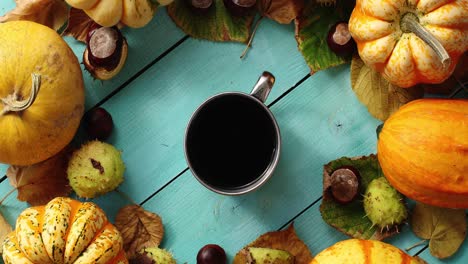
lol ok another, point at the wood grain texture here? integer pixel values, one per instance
(311, 138)
(320, 120)
(150, 115)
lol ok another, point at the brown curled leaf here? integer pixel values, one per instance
(139, 228)
(286, 240)
(281, 11)
(39, 183)
(79, 24)
(51, 13)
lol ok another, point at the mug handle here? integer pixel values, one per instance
(263, 86)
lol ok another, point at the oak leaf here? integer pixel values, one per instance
(39, 183)
(281, 11)
(51, 13)
(79, 24)
(379, 96)
(139, 228)
(286, 240)
(445, 228)
(5, 229)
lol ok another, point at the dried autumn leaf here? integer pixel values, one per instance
(51, 13)
(79, 24)
(445, 228)
(282, 11)
(39, 183)
(379, 96)
(5, 229)
(139, 228)
(286, 240)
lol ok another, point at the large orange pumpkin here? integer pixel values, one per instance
(423, 151)
(41, 93)
(64, 231)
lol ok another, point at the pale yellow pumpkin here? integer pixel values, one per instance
(383, 31)
(37, 65)
(358, 251)
(107, 13)
(64, 231)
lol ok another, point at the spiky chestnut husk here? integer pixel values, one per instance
(255, 255)
(94, 169)
(153, 255)
(384, 206)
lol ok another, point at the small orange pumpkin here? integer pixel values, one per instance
(423, 151)
(64, 231)
(411, 41)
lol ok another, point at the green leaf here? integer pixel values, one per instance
(379, 96)
(216, 24)
(445, 228)
(312, 29)
(351, 218)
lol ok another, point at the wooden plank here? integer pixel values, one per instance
(461, 257)
(145, 44)
(150, 114)
(320, 120)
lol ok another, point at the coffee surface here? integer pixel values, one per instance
(231, 142)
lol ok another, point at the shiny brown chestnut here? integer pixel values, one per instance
(106, 52)
(240, 7)
(340, 41)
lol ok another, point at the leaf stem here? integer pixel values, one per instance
(6, 196)
(416, 244)
(126, 197)
(249, 44)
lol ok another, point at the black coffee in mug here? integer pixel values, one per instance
(232, 141)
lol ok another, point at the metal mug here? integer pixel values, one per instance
(258, 97)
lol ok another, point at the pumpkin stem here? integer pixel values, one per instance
(12, 102)
(410, 24)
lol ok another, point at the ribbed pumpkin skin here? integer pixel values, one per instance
(64, 231)
(423, 151)
(359, 251)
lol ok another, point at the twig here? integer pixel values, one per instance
(249, 44)
(416, 244)
(6, 196)
(126, 197)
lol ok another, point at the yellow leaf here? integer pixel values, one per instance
(379, 96)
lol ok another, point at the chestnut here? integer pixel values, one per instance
(345, 183)
(340, 41)
(200, 7)
(98, 124)
(240, 7)
(211, 254)
(105, 53)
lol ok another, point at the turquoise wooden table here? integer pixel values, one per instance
(167, 75)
